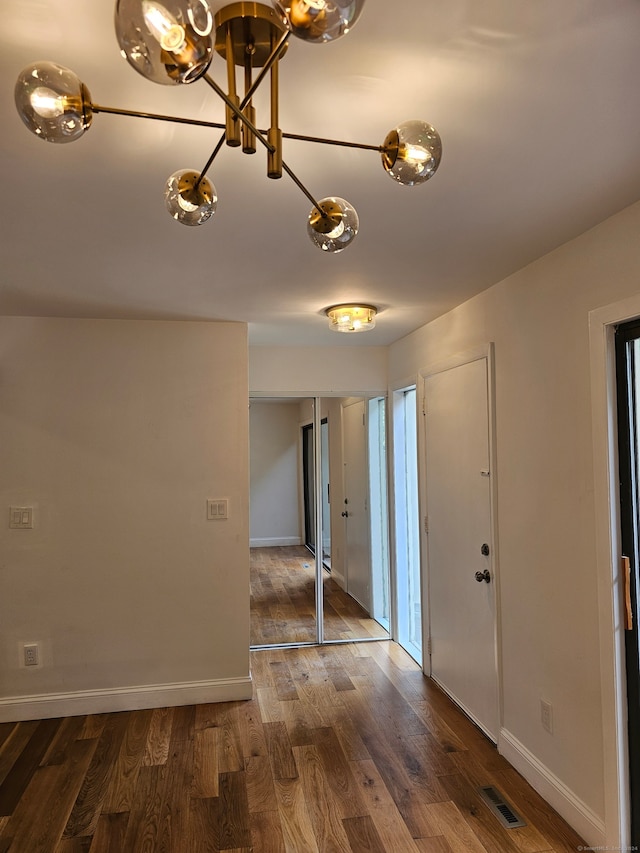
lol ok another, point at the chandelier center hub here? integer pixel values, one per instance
(254, 29)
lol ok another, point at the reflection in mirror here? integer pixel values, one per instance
(283, 571)
(330, 489)
(356, 598)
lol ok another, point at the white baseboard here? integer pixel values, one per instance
(17, 708)
(272, 543)
(577, 814)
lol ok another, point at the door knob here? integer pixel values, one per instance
(484, 550)
(483, 576)
(344, 514)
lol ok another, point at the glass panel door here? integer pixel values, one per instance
(379, 511)
(407, 523)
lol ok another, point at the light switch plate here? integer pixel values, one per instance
(21, 517)
(217, 509)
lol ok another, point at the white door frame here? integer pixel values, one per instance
(485, 351)
(602, 323)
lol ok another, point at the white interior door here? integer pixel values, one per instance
(356, 516)
(458, 490)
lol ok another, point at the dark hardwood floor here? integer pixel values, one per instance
(283, 601)
(342, 748)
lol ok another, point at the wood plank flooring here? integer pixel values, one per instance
(283, 601)
(343, 749)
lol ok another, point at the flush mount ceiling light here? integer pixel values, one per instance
(173, 42)
(351, 317)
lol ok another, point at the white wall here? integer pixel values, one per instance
(317, 371)
(538, 319)
(274, 432)
(117, 432)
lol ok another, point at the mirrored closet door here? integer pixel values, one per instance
(319, 520)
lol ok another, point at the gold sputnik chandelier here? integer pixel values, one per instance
(173, 42)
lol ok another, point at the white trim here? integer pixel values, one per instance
(44, 706)
(332, 393)
(577, 814)
(602, 322)
(273, 542)
(457, 360)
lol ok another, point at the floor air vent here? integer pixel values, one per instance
(501, 809)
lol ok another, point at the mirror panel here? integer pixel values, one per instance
(283, 572)
(356, 592)
(318, 476)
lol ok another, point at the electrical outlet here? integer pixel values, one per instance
(546, 715)
(31, 652)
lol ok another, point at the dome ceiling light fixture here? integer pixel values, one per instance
(173, 42)
(351, 317)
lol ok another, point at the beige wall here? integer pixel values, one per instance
(275, 477)
(317, 371)
(549, 615)
(117, 432)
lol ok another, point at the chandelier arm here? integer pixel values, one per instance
(274, 56)
(97, 108)
(235, 109)
(274, 134)
(209, 162)
(301, 186)
(322, 141)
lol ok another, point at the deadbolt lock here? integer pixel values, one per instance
(484, 550)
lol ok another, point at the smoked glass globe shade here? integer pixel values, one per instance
(168, 42)
(336, 228)
(53, 103)
(319, 20)
(412, 153)
(188, 201)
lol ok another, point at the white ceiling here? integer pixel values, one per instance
(536, 102)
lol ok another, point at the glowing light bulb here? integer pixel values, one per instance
(333, 225)
(415, 154)
(186, 205)
(412, 152)
(47, 103)
(190, 198)
(319, 20)
(164, 27)
(337, 230)
(303, 12)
